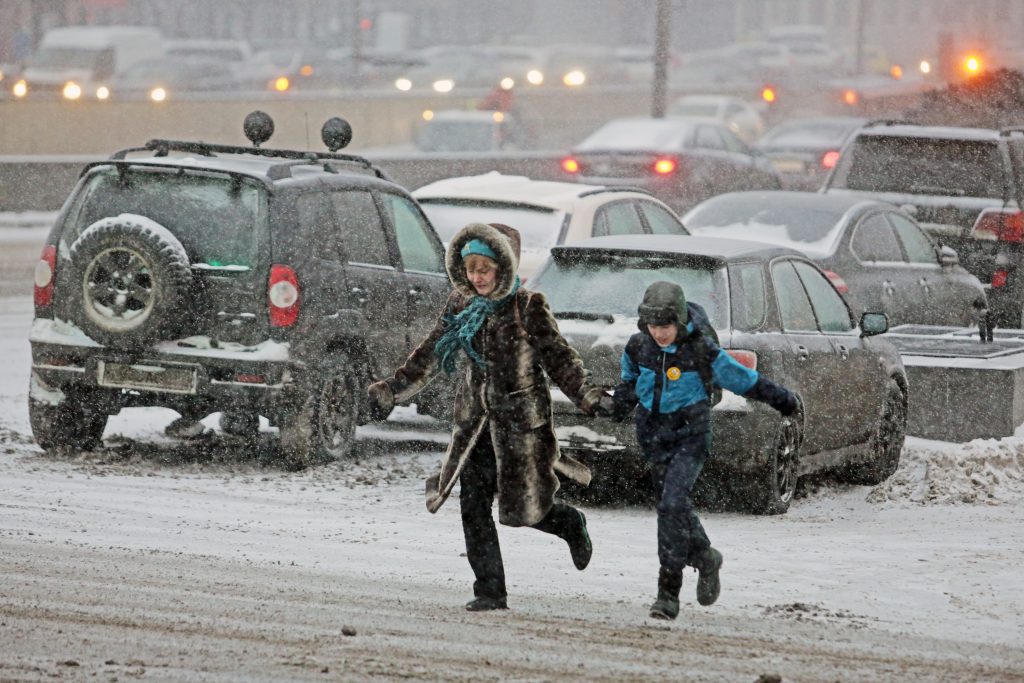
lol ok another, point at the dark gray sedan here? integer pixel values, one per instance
(773, 310)
(874, 252)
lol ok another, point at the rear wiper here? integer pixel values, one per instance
(585, 315)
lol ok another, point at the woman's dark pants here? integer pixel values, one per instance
(680, 534)
(478, 486)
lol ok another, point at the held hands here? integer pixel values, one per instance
(380, 401)
(597, 403)
(794, 406)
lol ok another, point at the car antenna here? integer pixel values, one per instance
(306, 114)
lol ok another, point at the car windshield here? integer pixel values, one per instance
(913, 165)
(794, 225)
(615, 283)
(214, 217)
(538, 228)
(695, 109)
(808, 133)
(68, 58)
(652, 134)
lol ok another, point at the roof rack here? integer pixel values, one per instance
(162, 148)
(888, 122)
(1006, 131)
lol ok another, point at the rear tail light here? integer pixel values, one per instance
(838, 282)
(1005, 225)
(999, 279)
(249, 378)
(570, 165)
(829, 158)
(665, 166)
(46, 271)
(283, 296)
(747, 359)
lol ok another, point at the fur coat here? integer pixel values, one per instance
(509, 398)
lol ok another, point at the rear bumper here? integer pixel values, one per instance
(184, 374)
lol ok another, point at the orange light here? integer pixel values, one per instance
(972, 65)
(282, 84)
(829, 159)
(768, 94)
(664, 166)
(570, 165)
(306, 70)
(896, 71)
(851, 97)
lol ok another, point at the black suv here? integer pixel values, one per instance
(963, 185)
(244, 280)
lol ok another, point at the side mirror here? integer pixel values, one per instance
(873, 323)
(948, 257)
(909, 209)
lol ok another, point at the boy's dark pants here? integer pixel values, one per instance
(478, 485)
(681, 536)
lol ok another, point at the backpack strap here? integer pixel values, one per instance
(700, 353)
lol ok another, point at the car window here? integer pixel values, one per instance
(913, 165)
(620, 218)
(415, 245)
(873, 240)
(746, 286)
(794, 306)
(829, 307)
(733, 143)
(363, 238)
(661, 220)
(709, 138)
(539, 228)
(918, 247)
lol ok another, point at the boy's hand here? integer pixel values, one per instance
(595, 402)
(794, 406)
(606, 407)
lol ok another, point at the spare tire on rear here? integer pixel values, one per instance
(130, 277)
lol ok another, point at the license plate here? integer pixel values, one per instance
(788, 165)
(173, 379)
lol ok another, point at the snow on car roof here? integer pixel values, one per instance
(516, 189)
(711, 247)
(911, 130)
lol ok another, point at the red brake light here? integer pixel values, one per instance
(838, 282)
(999, 279)
(747, 359)
(46, 271)
(665, 166)
(829, 158)
(570, 165)
(999, 224)
(283, 296)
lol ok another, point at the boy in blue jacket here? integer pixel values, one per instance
(665, 369)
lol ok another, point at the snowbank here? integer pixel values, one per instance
(983, 471)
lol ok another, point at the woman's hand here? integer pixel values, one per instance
(380, 401)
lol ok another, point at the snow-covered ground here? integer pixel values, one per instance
(199, 560)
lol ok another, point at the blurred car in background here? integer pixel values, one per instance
(736, 114)
(459, 130)
(804, 150)
(774, 311)
(234, 53)
(546, 213)
(873, 252)
(680, 160)
(162, 79)
(468, 68)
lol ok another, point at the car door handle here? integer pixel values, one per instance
(802, 353)
(844, 352)
(415, 292)
(888, 288)
(924, 283)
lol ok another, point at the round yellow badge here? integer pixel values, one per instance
(673, 374)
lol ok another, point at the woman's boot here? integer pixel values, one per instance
(667, 604)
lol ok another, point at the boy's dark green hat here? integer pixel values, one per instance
(664, 304)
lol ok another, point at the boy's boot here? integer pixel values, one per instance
(708, 562)
(667, 604)
(580, 546)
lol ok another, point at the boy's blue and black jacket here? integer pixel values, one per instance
(667, 385)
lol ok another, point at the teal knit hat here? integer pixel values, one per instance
(478, 246)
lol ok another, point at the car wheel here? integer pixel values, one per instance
(241, 423)
(129, 278)
(67, 424)
(324, 426)
(771, 489)
(886, 443)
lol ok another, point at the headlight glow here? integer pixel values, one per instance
(102, 92)
(71, 91)
(20, 89)
(574, 79)
(535, 77)
(444, 85)
(158, 94)
(403, 84)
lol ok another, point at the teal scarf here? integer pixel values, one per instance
(460, 329)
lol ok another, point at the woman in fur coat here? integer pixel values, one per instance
(503, 440)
